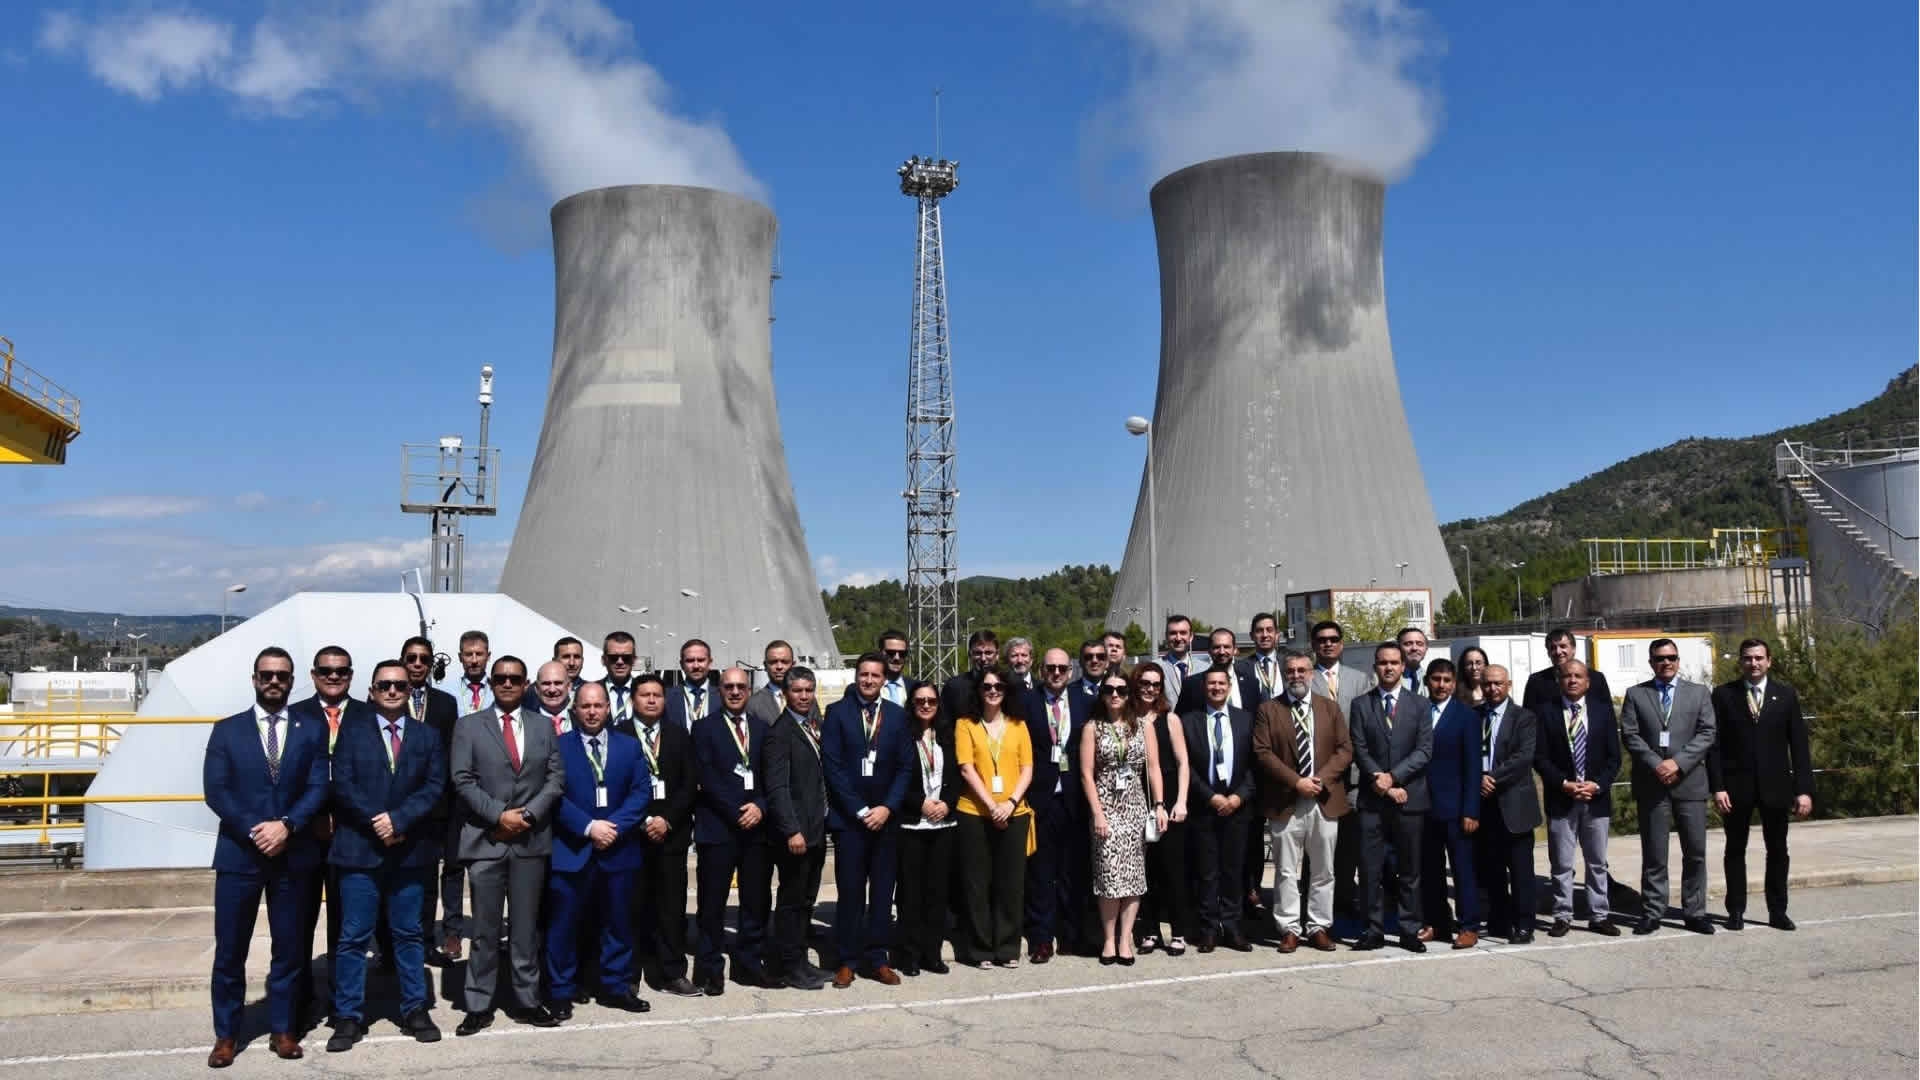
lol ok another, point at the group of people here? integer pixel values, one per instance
(1073, 805)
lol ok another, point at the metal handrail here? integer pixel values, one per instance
(1807, 470)
(86, 735)
(37, 390)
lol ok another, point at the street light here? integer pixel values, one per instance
(1276, 587)
(690, 594)
(225, 594)
(1138, 425)
(1469, 553)
(1518, 613)
(641, 610)
(1402, 567)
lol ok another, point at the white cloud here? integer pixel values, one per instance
(1220, 77)
(832, 575)
(122, 507)
(143, 55)
(560, 78)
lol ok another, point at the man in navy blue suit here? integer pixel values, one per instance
(596, 855)
(265, 778)
(867, 751)
(1453, 787)
(388, 777)
(697, 694)
(1053, 911)
(729, 829)
(332, 675)
(1220, 767)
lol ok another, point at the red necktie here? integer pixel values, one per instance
(513, 746)
(393, 739)
(556, 722)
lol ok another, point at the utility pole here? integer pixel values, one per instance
(933, 586)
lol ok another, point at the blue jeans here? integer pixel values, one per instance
(364, 894)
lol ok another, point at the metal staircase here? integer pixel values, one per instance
(1894, 583)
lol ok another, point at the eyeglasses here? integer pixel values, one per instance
(1057, 668)
(1117, 689)
(618, 658)
(509, 680)
(274, 676)
(387, 686)
(333, 673)
(895, 653)
(1326, 640)
(1669, 658)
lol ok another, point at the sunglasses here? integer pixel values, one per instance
(333, 673)
(274, 676)
(618, 658)
(895, 653)
(1119, 690)
(417, 658)
(1326, 641)
(924, 701)
(1674, 659)
(387, 686)
(992, 688)
(509, 680)
(1091, 658)
(733, 686)
(1057, 668)
(1150, 685)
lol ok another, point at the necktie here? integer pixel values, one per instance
(1579, 737)
(1486, 729)
(1054, 723)
(273, 747)
(419, 702)
(513, 744)
(620, 701)
(593, 747)
(780, 698)
(1219, 739)
(333, 717)
(393, 745)
(740, 729)
(1753, 701)
(1386, 706)
(867, 722)
(652, 734)
(1302, 739)
(699, 700)
(1333, 682)
(1266, 675)
(1182, 665)
(1666, 700)
(473, 691)
(556, 718)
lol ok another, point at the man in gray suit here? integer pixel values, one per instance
(1668, 728)
(768, 702)
(1392, 743)
(507, 773)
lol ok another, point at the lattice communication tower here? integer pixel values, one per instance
(933, 587)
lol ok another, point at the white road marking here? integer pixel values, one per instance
(1484, 951)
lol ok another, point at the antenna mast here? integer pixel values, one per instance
(449, 482)
(933, 592)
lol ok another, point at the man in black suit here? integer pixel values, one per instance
(1393, 744)
(1760, 762)
(1243, 690)
(730, 827)
(957, 697)
(617, 654)
(572, 654)
(1577, 757)
(428, 704)
(1094, 666)
(1219, 795)
(332, 674)
(1543, 686)
(767, 703)
(1054, 721)
(898, 686)
(1509, 810)
(660, 921)
(797, 805)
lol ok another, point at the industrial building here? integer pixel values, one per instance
(1278, 454)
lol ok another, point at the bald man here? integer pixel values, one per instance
(1509, 810)
(553, 689)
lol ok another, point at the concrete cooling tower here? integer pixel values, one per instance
(1278, 432)
(660, 480)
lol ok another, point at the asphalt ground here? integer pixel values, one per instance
(1836, 998)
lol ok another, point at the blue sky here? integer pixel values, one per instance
(265, 252)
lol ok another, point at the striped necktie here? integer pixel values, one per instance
(1302, 739)
(1578, 736)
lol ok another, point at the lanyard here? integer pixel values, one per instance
(1053, 719)
(813, 738)
(994, 745)
(599, 769)
(930, 768)
(650, 743)
(417, 704)
(733, 729)
(871, 728)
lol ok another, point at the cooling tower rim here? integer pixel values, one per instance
(1270, 161)
(633, 193)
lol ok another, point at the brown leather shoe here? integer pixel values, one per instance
(843, 977)
(1467, 940)
(1289, 941)
(883, 975)
(222, 1055)
(287, 1045)
(1321, 940)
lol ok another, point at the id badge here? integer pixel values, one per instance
(659, 788)
(1059, 754)
(999, 785)
(866, 765)
(746, 779)
(600, 797)
(1666, 739)
(1222, 773)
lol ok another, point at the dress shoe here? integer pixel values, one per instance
(842, 977)
(936, 966)
(1108, 961)
(1780, 922)
(1125, 961)
(1412, 943)
(561, 1010)
(287, 1045)
(1604, 927)
(911, 968)
(538, 1016)
(222, 1053)
(752, 975)
(885, 975)
(800, 980)
(1700, 924)
(1736, 920)
(1206, 942)
(713, 985)
(1559, 928)
(1146, 944)
(474, 1022)
(345, 1034)
(679, 986)
(419, 1024)
(581, 997)
(1041, 953)
(1176, 946)
(624, 1002)
(1647, 925)
(1425, 934)
(1370, 941)
(1289, 942)
(1237, 941)
(1520, 937)
(1466, 939)
(1321, 940)
(437, 957)
(816, 972)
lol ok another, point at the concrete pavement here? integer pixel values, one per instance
(156, 958)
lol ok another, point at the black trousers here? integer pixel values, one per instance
(1503, 866)
(1170, 891)
(1253, 870)
(1045, 870)
(793, 907)
(1396, 832)
(443, 889)
(1217, 847)
(747, 855)
(660, 916)
(1348, 898)
(920, 893)
(324, 882)
(993, 870)
(1773, 831)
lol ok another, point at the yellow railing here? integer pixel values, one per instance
(35, 388)
(47, 803)
(46, 736)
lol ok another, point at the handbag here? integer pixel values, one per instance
(1152, 832)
